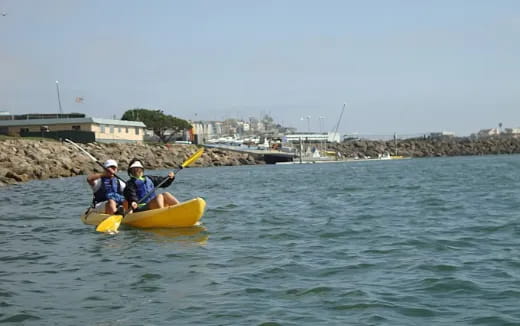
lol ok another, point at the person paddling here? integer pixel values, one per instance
(139, 186)
(108, 190)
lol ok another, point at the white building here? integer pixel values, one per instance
(488, 132)
(205, 130)
(442, 134)
(330, 137)
(515, 132)
(104, 130)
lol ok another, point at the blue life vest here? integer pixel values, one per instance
(144, 186)
(109, 189)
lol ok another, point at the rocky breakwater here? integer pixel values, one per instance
(25, 159)
(430, 147)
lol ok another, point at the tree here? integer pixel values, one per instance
(164, 126)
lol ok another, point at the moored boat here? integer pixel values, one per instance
(185, 214)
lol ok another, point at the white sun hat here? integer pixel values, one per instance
(109, 163)
(136, 164)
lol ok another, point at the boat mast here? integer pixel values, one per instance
(301, 150)
(395, 143)
(339, 120)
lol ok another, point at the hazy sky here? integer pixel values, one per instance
(401, 66)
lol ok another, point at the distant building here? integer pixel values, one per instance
(330, 137)
(201, 131)
(105, 130)
(169, 134)
(4, 115)
(484, 133)
(442, 134)
(351, 137)
(514, 132)
(204, 131)
(494, 132)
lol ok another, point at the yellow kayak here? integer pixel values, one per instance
(187, 213)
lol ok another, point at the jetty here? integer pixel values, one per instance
(269, 156)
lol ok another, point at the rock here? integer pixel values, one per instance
(7, 181)
(3, 171)
(26, 159)
(66, 163)
(14, 176)
(76, 171)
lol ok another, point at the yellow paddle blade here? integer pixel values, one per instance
(110, 224)
(193, 158)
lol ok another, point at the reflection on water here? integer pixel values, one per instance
(186, 234)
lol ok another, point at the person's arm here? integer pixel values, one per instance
(91, 179)
(156, 180)
(131, 194)
(94, 181)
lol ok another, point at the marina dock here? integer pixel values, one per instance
(269, 156)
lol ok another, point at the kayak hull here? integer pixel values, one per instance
(185, 214)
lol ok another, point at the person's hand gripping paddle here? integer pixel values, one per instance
(111, 224)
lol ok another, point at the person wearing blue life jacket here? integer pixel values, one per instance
(107, 188)
(140, 185)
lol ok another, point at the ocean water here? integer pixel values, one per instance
(407, 242)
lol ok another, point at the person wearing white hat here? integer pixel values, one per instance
(140, 189)
(107, 189)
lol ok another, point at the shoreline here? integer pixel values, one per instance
(24, 159)
(426, 147)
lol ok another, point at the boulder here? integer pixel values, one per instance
(14, 176)
(25, 159)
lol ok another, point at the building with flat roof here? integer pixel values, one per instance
(514, 132)
(105, 130)
(442, 134)
(330, 137)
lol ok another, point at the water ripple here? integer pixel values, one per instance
(411, 242)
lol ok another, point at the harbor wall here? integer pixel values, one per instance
(429, 147)
(28, 159)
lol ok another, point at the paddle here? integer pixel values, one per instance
(91, 157)
(111, 223)
(186, 163)
(105, 225)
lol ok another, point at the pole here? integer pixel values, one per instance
(203, 132)
(59, 100)
(301, 150)
(395, 143)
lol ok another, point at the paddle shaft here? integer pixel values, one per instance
(92, 157)
(186, 163)
(160, 184)
(113, 222)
